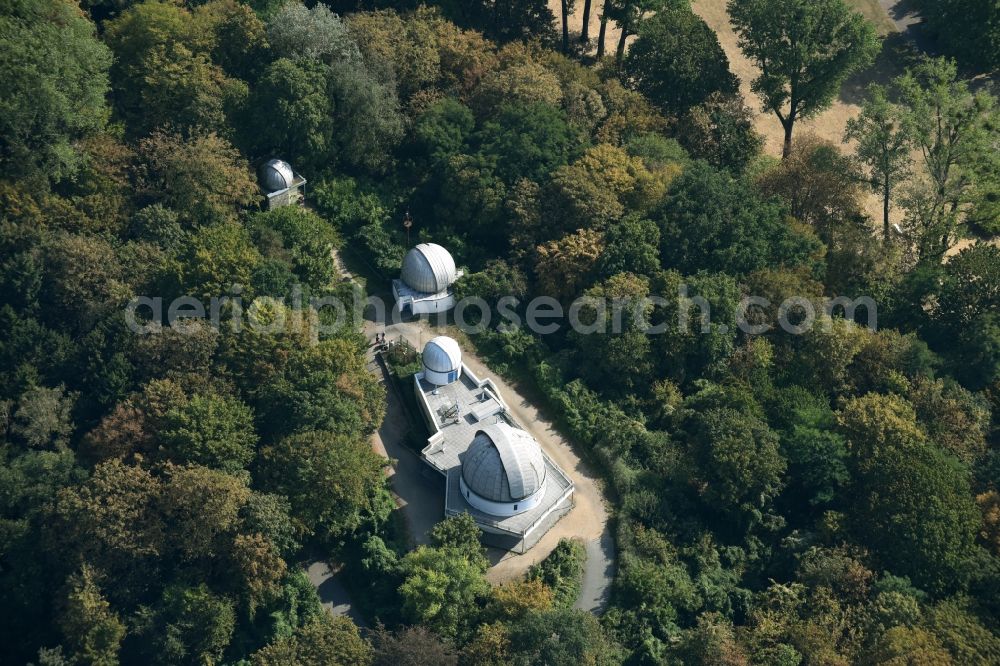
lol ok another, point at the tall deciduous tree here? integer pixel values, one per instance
(677, 61)
(202, 177)
(949, 124)
(630, 14)
(291, 113)
(55, 80)
(720, 131)
(333, 483)
(968, 29)
(442, 587)
(92, 628)
(211, 430)
(805, 49)
(883, 147)
(325, 640)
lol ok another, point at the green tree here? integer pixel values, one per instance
(300, 237)
(325, 640)
(201, 509)
(561, 637)
(631, 246)
(968, 29)
(192, 626)
(883, 147)
(163, 74)
(738, 459)
(442, 588)
(528, 141)
(720, 131)
(816, 457)
(334, 483)
(111, 518)
(202, 177)
(949, 124)
(92, 628)
(711, 221)
(268, 514)
(805, 50)
(596, 190)
(291, 113)
(44, 417)
(630, 15)
(677, 62)
(211, 430)
(961, 322)
(217, 258)
(324, 386)
(617, 356)
(916, 506)
(561, 572)
(459, 532)
(239, 39)
(310, 34)
(56, 79)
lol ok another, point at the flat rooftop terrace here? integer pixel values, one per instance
(459, 410)
(454, 413)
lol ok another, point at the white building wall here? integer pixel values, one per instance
(501, 509)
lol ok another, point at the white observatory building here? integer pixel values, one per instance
(281, 184)
(493, 469)
(425, 281)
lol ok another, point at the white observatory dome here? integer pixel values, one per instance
(503, 466)
(428, 268)
(442, 359)
(277, 175)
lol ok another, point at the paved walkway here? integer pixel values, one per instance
(332, 594)
(419, 491)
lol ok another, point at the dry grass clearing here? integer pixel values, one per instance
(828, 125)
(831, 123)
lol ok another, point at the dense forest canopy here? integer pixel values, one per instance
(825, 498)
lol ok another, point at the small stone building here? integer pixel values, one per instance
(282, 186)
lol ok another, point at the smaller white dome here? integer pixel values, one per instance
(442, 354)
(428, 268)
(277, 175)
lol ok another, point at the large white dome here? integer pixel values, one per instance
(428, 268)
(442, 354)
(277, 175)
(503, 464)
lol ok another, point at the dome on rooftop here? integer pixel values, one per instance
(428, 268)
(276, 175)
(442, 354)
(504, 465)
